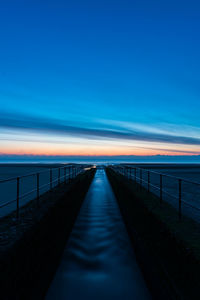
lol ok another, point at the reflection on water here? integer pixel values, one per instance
(98, 261)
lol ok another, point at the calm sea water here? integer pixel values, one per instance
(190, 193)
(27, 186)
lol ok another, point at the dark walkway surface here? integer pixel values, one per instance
(98, 261)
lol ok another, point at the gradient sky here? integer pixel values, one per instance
(99, 77)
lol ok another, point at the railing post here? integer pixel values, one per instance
(50, 179)
(180, 198)
(65, 174)
(135, 175)
(148, 181)
(69, 170)
(58, 176)
(38, 188)
(161, 187)
(140, 177)
(17, 197)
(72, 170)
(70, 173)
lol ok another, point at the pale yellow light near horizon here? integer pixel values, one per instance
(80, 147)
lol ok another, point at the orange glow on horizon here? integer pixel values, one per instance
(94, 148)
(93, 151)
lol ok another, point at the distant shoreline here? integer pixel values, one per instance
(104, 162)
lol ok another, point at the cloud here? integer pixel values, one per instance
(55, 127)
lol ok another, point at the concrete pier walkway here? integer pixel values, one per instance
(98, 261)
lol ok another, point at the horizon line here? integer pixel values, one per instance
(98, 156)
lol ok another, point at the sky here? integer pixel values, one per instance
(99, 78)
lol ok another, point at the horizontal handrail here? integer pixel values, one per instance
(126, 170)
(52, 182)
(33, 174)
(32, 191)
(7, 203)
(163, 174)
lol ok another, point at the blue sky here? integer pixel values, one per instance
(99, 77)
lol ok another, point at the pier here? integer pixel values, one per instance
(98, 260)
(95, 232)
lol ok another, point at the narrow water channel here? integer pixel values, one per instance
(98, 261)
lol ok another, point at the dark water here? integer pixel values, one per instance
(8, 190)
(190, 192)
(98, 261)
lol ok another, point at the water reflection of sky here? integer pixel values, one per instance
(98, 261)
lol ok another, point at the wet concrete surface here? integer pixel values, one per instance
(98, 261)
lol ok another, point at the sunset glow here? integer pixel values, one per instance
(72, 85)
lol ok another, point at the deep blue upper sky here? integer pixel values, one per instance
(100, 75)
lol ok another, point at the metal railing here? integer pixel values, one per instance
(179, 192)
(32, 186)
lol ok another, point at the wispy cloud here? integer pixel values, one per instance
(15, 122)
